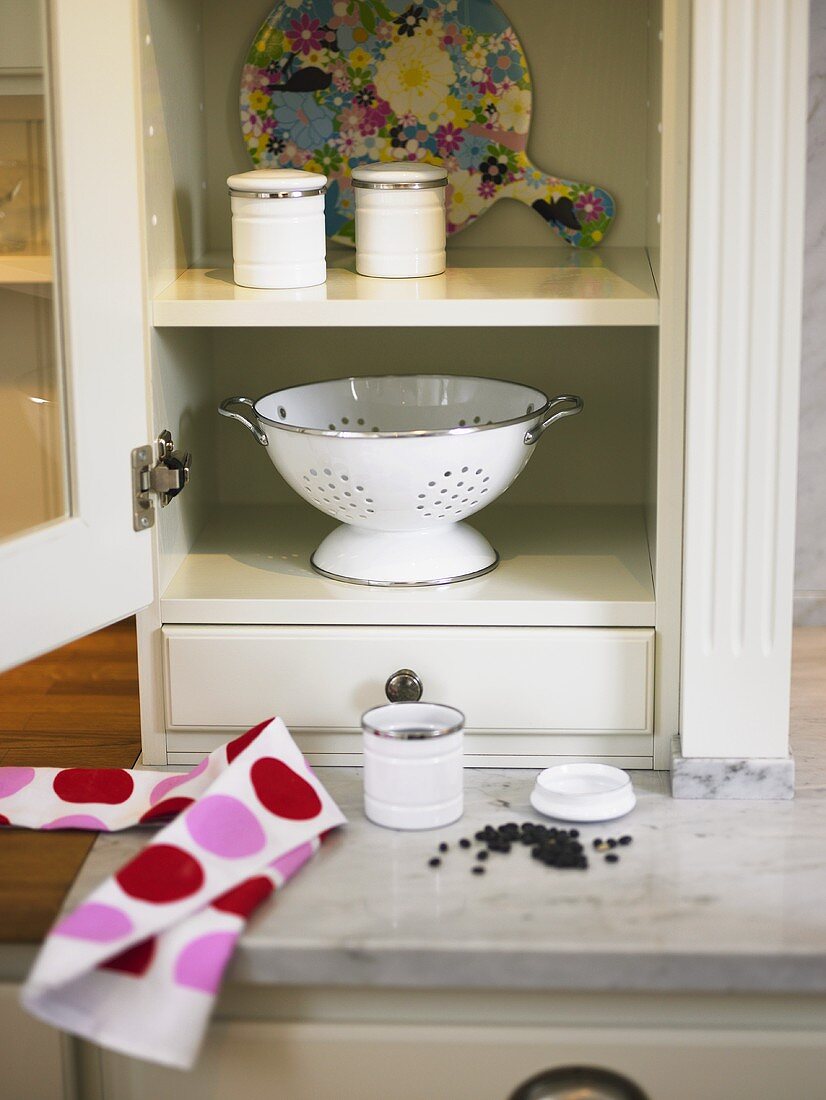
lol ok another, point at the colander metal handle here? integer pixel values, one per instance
(573, 405)
(224, 408)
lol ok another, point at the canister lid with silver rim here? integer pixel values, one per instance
(409, 176)
(277, 183)
(412, 721)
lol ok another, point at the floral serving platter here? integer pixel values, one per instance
(331, 84)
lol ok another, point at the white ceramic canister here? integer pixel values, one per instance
(278, 236)
(413, 765)
(400, 220)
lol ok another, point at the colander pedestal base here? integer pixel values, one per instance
(453, 552)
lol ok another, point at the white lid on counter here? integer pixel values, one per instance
(277, 182)
(583, 792)
(414, 175)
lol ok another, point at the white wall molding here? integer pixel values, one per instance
(749, 94)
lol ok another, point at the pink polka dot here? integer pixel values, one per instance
(161, 789)
(95, 921)
(202, 962)
(290, 862)
(225, 827)
(13, 780)
(77, 821)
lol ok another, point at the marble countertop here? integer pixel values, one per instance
(712, 896)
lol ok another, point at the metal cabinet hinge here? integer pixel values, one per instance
(160, 470)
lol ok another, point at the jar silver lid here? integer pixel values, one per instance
(407, 176)
(412, 721)
(277, 183)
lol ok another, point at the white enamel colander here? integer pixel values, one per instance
(401, 461)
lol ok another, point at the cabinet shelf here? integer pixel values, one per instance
(23, 269)
(561, 566)
(492, 287)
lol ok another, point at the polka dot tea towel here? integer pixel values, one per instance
(136, 966)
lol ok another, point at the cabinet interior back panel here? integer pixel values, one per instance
(599, 457)
(589, 68)
(174, 135)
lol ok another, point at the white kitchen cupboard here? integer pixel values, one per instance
(593, 531)
(555, 656)
(39, 1066)
(401, 1057)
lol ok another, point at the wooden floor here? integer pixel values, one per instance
(74, 708)
(808, 717)
(78, 707)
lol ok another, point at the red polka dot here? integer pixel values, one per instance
(108, 785)
(4, 820)
(245, 897)
(240, 743)
(161, 873)
(134, 960)
(282, 791)
(170, 807)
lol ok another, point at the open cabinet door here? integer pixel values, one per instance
(73, 384)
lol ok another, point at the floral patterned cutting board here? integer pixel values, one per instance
(331, 84)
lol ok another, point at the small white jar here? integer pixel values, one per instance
(413, 765)
(278, 237)
(400, 220)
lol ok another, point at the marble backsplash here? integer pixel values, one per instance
(810, 571)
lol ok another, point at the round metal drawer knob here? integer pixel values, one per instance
(578, 1083)
(404, 686)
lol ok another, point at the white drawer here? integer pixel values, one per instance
(344, 1061)
(592, 689)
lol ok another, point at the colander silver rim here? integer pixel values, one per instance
(414, 433)
(405, 584)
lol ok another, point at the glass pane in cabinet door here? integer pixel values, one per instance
(33, 459)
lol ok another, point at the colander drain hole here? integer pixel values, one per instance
(447, 502)
(329, 496)
(326, 489)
